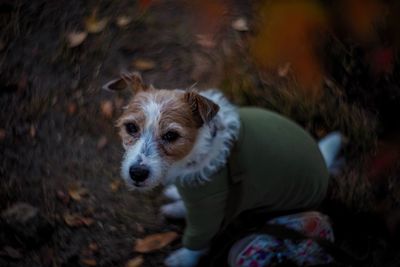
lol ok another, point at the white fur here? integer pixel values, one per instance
(210, 152)
(174, 210)
(144, 151)
(330, 146)
(184, 258)
(171, 192)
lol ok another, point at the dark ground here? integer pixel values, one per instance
(57, 130)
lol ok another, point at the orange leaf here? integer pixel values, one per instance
(115, 185)
(107, 108)
(75, 220)
(76, 192)
(143, 64)
(123, 21)
(135, 262)
(75, 39)
(154, 242)
(89, 262)
(95, 25)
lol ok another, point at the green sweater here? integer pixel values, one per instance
(278, 165)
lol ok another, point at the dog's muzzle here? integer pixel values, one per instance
(138, 174)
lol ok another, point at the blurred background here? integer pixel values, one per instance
(327, 64)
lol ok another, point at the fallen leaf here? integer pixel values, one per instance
(102, 142)
(76, 192)
(143, 64)
(208, 19)
(71, 108)
(135, 262)
(154, 242)
(95, 25)
(283, 70)
(123, 21)
(206, 40)
(63, 197)
(76, 220)
(93, 247)
(240, 25)
(107, 108)
(75, 39)
(2, 134)
(89, 262)
(87, 221)
(32, 131)
(115, 185)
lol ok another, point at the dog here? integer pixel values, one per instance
(201, 145)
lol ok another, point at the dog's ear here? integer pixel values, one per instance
(131, 80)
(203, 109)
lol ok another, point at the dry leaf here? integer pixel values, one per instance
(76, 38)
(135, 262)
(139, 228)
(95, 25)
(283, 70)
(107, 108)
(75, 220)
(32, 131)
(122, 21)
(2, 134)
(143, 64)
(71, 108)
(206, 40)
(240, 25)
(93, 247)
(154, 242)
(115, 185)
(63, 197)
(76, 192)
(102, 142)
(89, 262)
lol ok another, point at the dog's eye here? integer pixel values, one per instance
(131, 128)
(170, 136)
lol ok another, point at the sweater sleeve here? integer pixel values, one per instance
(204, 219)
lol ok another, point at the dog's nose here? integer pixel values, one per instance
(138, 173)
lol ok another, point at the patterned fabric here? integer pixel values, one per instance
(267, 250)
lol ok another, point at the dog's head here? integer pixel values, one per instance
(158, 129)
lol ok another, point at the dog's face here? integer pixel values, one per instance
(159, 128)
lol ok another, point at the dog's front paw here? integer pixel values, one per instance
(184, 258)
(171, 192)
(174, 210)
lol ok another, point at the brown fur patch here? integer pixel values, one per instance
(175, 115)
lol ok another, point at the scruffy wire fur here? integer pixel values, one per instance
(206, 125)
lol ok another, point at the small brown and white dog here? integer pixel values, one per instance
(175, 134)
